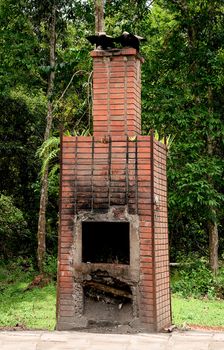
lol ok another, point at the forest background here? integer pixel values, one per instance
(45, 83)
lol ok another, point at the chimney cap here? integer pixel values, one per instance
(117, 52)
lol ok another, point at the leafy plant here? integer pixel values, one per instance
(50, 266)
(14, 234)
(48, 152)
(193, 278)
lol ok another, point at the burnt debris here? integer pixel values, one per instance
(102, 287)
(102, 41)
(129, 40)
(106, 42)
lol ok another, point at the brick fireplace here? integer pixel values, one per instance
(113, 266)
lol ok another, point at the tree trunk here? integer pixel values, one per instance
(212, 222)
(99, 16)
(213, 244)
(41, 234)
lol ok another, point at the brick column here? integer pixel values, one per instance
(116, 92)
(115, 179)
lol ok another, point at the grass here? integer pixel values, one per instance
(201, 312)
(32, 308)
(36, 308)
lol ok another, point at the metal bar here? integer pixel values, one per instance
(61, 165)
(125, 95)
(153, 227)
(127, 173)
(109, 170)
(136, 174)
(76, 169)
(108, 94)
(92, 170)
(60, 217)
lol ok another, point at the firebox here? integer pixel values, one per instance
(105, 242)
(113, 266)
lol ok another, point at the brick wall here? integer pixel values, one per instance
(161, 245)
(116, 93)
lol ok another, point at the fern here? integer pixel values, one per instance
(54, 170)
(82, 132)
(48, 153)
(166, 140)
(52, 142)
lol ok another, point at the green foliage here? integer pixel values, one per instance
(125, 16)
(33, 308)
(21, 126)
(19, 137)
(18, 46)
(16, 270)
(82, 132)
(50, 266)
(182, 97)
(193, 278)
(48, 152)
(14, 233)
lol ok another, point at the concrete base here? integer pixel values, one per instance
(41, 340)
(80, 323)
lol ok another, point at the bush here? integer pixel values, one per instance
(19, 269)
(13, 229)
(219, 284)
(193, 278)
(50, 266)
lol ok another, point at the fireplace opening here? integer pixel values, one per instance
(107, 300)
(105, 242)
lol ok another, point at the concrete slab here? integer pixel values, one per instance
(219, 336)
(41, 340)
(190, 345)
(216, 346)
(9, 345)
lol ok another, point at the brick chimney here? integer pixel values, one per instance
(116, 92)
(113, 261)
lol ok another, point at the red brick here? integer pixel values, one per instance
(66, 308)
(66, 313)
